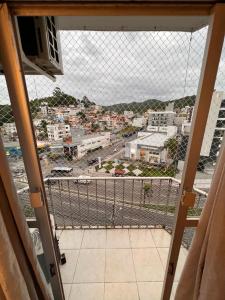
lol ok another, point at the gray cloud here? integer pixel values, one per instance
(113, 67)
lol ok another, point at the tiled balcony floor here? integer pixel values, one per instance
(115, 264)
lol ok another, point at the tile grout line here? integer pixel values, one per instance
(76, 263)
(153, 239)
(101, 282)
(105, 263)
(133, 263)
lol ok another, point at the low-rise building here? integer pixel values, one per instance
(9, 129)
(161, 118)
(149, 147)
(186, 128)
(57, 131)
(139, 122)
(168, 130)
(44, 109)
(128, 114)
(80, 146)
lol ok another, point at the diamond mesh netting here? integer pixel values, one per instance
(123, 107)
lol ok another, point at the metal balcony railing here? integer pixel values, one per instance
(112, 202)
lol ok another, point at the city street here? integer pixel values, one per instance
(77, 208)
(79, 167)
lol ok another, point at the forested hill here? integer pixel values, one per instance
(59, 98)
(154, 104)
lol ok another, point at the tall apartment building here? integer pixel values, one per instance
(215, 127)
(57, 131)
(161, 118)
(214, 131)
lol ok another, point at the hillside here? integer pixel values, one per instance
(154, 104)
(60, 98)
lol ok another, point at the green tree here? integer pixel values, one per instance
(61, 98)
(43, 129)
(82, 115)
(6, 115)
(86, 102)
(95, 126)
(172, 146)
(147, 190)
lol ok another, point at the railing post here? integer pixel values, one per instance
(19, 101)
(211, 60)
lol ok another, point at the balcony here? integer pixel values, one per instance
(112, 202)
(113, 264)
(115, 233)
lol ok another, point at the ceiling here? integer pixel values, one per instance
(133, 23)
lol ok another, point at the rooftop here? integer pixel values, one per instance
(162, 112)
(153, 139)
(77, 140)
(113, 264)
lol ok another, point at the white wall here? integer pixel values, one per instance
(92, 143)
(211, 122)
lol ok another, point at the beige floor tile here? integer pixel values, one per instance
(68, 269)
(87, 291)
(163, 252)
(90, 266)
(70, 239)
(58, 233)
(148, 266)
(161, 237)
(121, 291)
(150, 290)
(117, 238)
(67, 288)
(141, 238)
(119, 266)
(94, 239)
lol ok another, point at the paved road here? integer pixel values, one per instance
(112, 203)
(78, 209)
(129, 190)
(106, 153)
(80, 166)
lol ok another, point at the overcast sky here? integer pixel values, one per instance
(114, 67)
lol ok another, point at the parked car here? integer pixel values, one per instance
(119, 173)
(61, 171)
(83, 179)
(92, 161)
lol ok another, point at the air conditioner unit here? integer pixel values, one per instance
(39, 44)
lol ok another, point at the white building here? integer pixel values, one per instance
(214, 132)
(44, 109)
(186, 128)
(161, 118)
(128, 114)
(149, 147)
(87, 143)
(168, 130)
(139, 122)
(215, 126)
(10, 129)
(57, 131)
